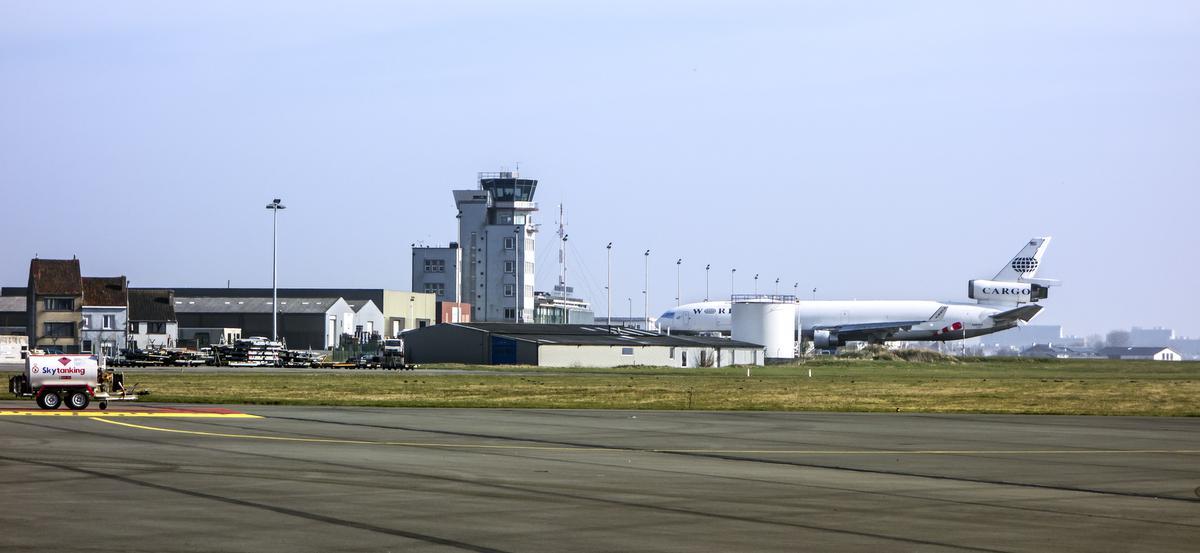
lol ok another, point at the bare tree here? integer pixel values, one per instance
(1118, 339)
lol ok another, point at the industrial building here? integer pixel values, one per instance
(491, 266)
(572, 346)
(1154, 353)
(390, 312)
(316, 323)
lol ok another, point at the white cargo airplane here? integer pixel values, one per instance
(1000, 303)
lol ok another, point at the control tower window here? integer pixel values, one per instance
(510, 243)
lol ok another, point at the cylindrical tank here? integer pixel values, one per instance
(62, 370)
(767, 322)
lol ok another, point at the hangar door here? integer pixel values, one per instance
(504, 351)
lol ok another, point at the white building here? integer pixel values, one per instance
(152, 322)
(1155, 353)
(105, 315)
(368, 318)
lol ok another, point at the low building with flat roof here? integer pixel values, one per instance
(554, 345)
(1155, 353)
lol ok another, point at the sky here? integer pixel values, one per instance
(870, 150)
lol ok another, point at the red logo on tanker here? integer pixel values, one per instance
(64, 360)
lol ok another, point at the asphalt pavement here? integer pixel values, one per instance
(166, 477)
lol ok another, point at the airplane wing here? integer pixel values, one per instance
(1024, 313)
(868, 332)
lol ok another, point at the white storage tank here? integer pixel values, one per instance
(767, 321)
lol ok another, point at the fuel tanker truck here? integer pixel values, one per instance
(76, 380)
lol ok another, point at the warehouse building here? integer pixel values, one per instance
(313, 323)
(1152, 353)
(401, 310)
(571, 346)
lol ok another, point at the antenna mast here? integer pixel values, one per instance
(562, 253)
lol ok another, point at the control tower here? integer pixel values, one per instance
(496, 234)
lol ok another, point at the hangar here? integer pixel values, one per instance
(571, 346)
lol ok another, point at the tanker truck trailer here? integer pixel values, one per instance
(76, 380)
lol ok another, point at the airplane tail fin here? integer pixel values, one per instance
(1025, 264)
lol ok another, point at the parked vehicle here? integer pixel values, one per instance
(76, 380)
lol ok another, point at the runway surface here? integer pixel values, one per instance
(157, 477)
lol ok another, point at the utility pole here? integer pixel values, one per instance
(274, 206)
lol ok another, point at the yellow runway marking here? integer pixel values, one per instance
(111, 414)
(628, 450)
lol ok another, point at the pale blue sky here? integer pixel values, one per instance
(869, 149)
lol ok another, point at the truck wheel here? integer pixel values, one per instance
(103, 405)
(49, 400)
(78, 400)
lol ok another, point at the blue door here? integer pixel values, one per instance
(504, 351)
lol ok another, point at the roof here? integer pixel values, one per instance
(599, 335)
(358, 305)
(362, 294)
(1137, 351)
(235, 304)
(105, 292)
(12, 303)
(55, 276)
(151, 305)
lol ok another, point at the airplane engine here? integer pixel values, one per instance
(1008, 292)
(824, 339)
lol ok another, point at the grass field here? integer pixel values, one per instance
(974, 386)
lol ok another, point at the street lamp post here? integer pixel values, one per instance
(756, 284)
(732, 287)
(608, 287)
(776, 286)
(630, 300)
(706, 268)
(274, 206)
(646, 290)
(678, 263)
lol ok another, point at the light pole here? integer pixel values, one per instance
(608, 287)
(630, 300)
(732, 273)
(678, 263)
(646, 290)
(776, 286)
(796, 290)
(756, 284)
(706, 268)
(814, 294)
(274, 206)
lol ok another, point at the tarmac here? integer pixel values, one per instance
(166, 477)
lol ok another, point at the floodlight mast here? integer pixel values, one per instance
(275, 205)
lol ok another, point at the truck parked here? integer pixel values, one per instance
(76, 380)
